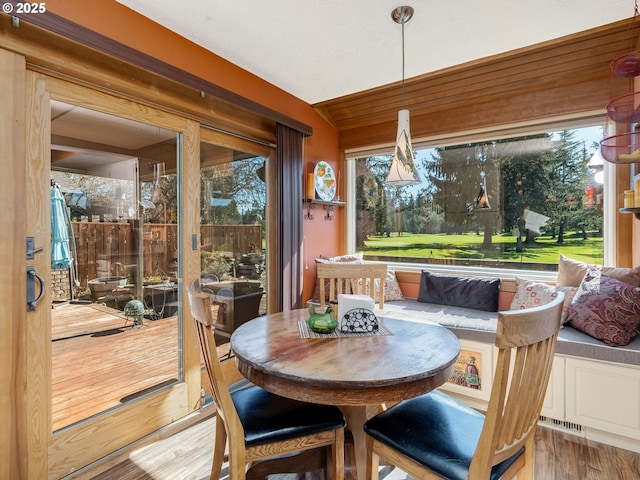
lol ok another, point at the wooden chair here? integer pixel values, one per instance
(258, 425)
(351, 278)
(435, 436)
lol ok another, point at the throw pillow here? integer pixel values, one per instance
(391, 287)
(606, 309)
(352, 258)
(569, 294)
(571, 272)
(349, 258)
(531, 294)
(466, 292)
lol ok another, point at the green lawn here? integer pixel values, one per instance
(544, 250)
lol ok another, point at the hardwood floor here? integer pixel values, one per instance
(91, 341)
(187, 456)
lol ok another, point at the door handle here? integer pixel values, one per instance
(31, 249)
(32, 300)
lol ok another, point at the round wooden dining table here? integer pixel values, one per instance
(358, 373)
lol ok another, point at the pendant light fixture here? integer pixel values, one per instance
(403, 169)
(482, 201)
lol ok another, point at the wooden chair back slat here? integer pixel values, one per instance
(526, 341)
(352, 278)
(201, 310)
(263, 459)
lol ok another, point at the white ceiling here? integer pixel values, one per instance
(323, 49)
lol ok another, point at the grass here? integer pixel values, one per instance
(545, 249)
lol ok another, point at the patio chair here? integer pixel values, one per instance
(435, 436)
(351, 278)
(260, 426)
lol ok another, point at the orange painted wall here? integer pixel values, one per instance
(128, 27)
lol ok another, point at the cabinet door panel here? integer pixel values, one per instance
(604, 396)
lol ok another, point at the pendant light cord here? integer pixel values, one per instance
(403, 65)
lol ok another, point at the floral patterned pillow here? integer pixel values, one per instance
(391, 287)
(531, 294)
(352, 258)
(569, 294)
(349, 258)
(606, 309)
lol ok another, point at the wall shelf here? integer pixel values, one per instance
(317, 201)
(635, 211)
(328, 206)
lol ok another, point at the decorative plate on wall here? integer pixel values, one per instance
(325, 181)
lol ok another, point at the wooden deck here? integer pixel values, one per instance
(98, 363)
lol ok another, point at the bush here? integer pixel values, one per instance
(214, 263)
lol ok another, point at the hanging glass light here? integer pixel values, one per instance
(403, 170)
(482, 201)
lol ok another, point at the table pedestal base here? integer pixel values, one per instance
(356, 416)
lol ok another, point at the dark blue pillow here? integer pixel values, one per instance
(467, 292)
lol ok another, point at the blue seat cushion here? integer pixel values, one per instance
(436, 431)
(269, 418)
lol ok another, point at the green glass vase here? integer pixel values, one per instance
(321, 322)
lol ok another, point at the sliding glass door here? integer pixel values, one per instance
(109, 355)
(233, 229)
(115, 329)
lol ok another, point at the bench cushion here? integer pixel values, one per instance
(480, 326)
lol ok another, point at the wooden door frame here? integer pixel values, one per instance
(15, 443)
(29, 449)
(56, 454)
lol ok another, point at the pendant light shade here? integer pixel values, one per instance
(403, 168)
(482, 201)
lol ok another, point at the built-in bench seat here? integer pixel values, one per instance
(594, 390)
(480, 326)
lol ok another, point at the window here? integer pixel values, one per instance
(514, 203)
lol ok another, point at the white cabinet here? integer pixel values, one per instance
(554, 402)
(590, 398)
(481, 355)
(485, 357)
(605, 398)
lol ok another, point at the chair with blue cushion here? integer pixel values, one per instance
(436, 436)
(259, 425)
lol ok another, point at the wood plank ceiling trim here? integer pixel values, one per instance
(563, 77)
(58, 46)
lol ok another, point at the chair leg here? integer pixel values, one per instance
(373, 461)
(237, 464)
(526, 472)
(335, 461)
(220, 444)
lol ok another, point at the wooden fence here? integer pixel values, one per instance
(106, 249)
